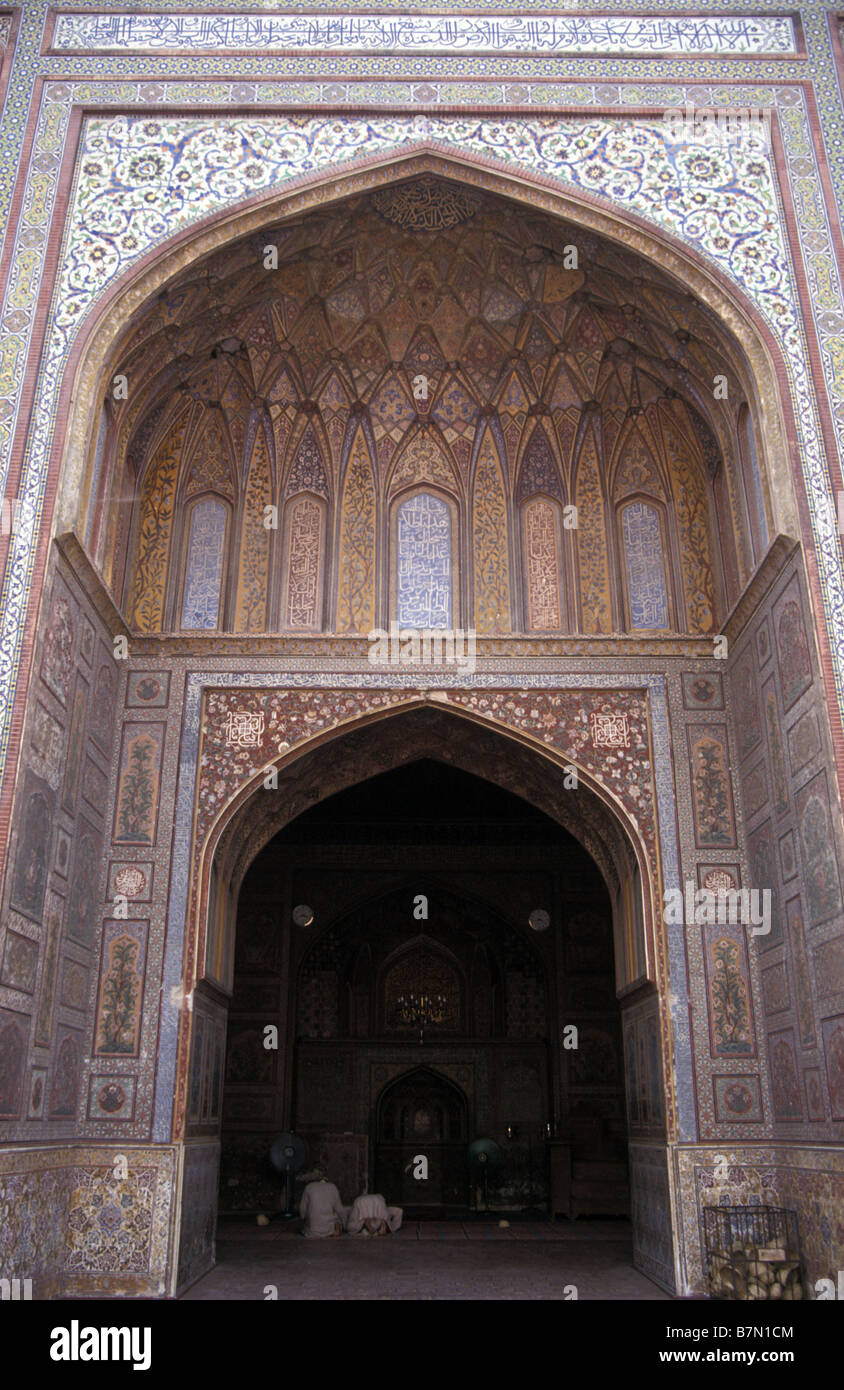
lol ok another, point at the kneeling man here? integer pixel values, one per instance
(370, 1216)
(321, 1209)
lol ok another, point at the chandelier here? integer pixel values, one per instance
(421, 1010)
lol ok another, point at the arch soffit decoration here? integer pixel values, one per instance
(104, 332)
(593, 817)
(246, 836)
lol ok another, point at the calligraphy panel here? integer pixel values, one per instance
(156, 31)
(646, 590)
(424, 562)
(204, 569)
(304, 564)
(542, 567)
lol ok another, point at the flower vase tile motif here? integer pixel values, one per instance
(728, 992)
(118, 1025)
(712, 797)
(138, 787)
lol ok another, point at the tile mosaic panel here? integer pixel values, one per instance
(829, 967)
(738, 1099)
(804, 741)
(763, 876)
(20, 963)
(795, 667)
(32, 853)
(49, 975)
(75, 745)
(785, 1085)
(64, 1081)
(643, 548)
(817, 851)
(833, 1042)
(14, 1035)
(703, 692)
(803, 994)
(148, 689)
(111, 1097)
(424, 562)
(788, 856)
(82, 902)
(131, 879)
(815, 1109)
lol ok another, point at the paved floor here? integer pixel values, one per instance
(427, 1261)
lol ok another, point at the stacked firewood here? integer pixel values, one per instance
(750, 1272)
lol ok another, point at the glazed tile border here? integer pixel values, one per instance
(121, 158)
(405, 33)
(492, 678)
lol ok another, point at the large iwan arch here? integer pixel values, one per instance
(695, 760)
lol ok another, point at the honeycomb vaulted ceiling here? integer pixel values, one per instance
(426, 278)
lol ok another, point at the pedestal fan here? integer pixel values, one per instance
(484, 1155)
(287, 1156)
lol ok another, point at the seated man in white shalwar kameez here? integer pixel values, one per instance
(370, 1216)
(321, 1209)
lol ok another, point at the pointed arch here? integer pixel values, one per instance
(153, 532)
(208, 463)
(592, 541)
(251, 612)
(692, 509)
(539, 471)
(424, 459)
(356, 586)
(490, 542)
(307, 471)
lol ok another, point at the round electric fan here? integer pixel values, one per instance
(287, 1155)
(483, 1155)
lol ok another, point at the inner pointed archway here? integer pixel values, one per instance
(341, 1036)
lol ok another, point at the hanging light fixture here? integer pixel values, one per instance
(420, 1009)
